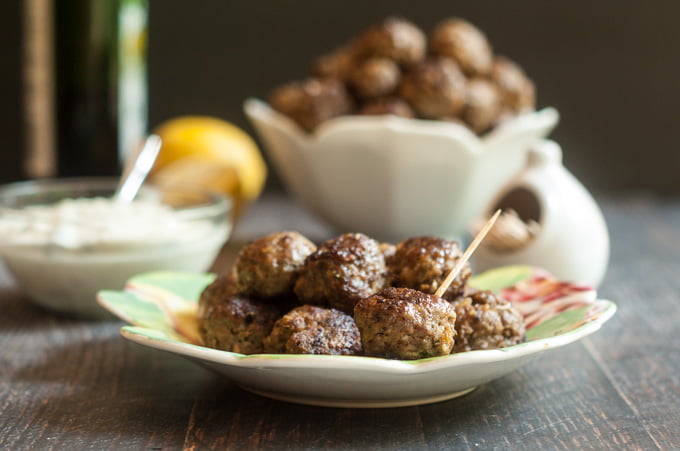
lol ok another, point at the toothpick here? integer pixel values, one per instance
(466, 255)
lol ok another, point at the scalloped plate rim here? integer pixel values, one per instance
(358, 381)
(136, 334)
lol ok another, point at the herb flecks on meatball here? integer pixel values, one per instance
(238, 324)
(341, 272)
(268, 267)
(422, 263)
(486, 321)
(314, 330)
(400, 323)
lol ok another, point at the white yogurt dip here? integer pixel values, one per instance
(98, 224)
(62, 254)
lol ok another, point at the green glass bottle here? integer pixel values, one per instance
(94, 101)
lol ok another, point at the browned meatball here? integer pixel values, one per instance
(516, 89)
(486, 321)
(482, 105)
(374, 77)
(337, 64)
(239, 324)
(314, 330)
(434, 88)
(341, 272)
(422, 263)
(466, 44)
(394, 38)
(388, 250)
(217, 292)
(312, 101)
(387, 105)
(268, 266)
(400, 323)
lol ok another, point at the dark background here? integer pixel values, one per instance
(610, 67)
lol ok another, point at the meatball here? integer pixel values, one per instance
(388, 250)
(312, 101)
(422, 263)
(482, 105)
(434, 88)
(466, 44)
(374, 77)
(341, 272)
(394, 38)
(268, 266)
(486, 321)
(238, 324)
(400, 323)
(387, 105)
(517, 90)
(336, 64)
(217, 292)
(314, 330)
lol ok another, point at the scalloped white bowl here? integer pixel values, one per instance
(391, 177)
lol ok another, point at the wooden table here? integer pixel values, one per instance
(74, 384)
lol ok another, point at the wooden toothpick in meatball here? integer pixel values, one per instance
(310, 329)
(422, 263)
(341, 272)
(268, 267)
(400, 323)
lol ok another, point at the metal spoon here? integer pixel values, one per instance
(136, 170)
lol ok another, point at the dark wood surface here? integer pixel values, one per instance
(75, 384)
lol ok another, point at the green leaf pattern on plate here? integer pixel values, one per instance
(499, 278)
(152, 300)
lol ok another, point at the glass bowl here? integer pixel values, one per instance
(61, 251)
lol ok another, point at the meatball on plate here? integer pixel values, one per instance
(161, 310)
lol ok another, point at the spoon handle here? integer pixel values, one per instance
(137, 169)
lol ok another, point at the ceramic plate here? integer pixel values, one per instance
(161, 308)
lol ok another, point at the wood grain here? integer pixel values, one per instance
(74, 384)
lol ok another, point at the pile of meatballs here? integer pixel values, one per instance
(394, 68)
(352, 295)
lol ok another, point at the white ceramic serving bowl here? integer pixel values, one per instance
(391, 177)
(67, 279)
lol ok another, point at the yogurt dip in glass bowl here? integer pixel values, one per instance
(63, 240)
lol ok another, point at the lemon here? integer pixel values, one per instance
(210, 153)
